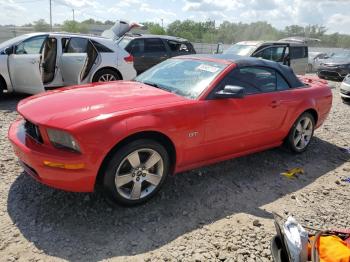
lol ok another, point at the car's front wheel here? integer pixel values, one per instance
(136, 172)
(301, 133)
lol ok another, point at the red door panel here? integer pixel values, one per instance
(235, 125)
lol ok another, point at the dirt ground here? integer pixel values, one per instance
(217, 213)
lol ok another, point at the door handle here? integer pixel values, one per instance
(275, 103)
(79, 60)
(33, 62)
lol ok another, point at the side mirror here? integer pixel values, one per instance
(230, 92)
(8, 50)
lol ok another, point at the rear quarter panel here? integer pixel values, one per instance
(315, 95)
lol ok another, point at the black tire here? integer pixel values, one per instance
(105, 72)
(119, 160)
(346, 100)
(294, 134)
(2, 86)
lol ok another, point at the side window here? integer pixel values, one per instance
(281, 82)
(297, 52)
(101, 48)
(64, 42)
(178, 46)
(77, 45)
(272, 53)
(255, 80)
(32, 45)
(153, 45)
(135, 46)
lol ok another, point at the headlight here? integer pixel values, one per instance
(62, 139)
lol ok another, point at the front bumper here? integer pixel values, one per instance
(33, 154)
(345, 90)
(332, 72)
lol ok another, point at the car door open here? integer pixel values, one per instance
(73, 61)
(24, 65)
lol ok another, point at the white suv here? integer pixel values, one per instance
(33, 63)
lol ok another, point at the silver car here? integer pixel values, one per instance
(345, 89)
(33, 63)
(315, 59)
(293, 54)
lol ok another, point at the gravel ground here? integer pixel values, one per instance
(217, 213)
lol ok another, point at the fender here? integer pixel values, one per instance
(304, 105)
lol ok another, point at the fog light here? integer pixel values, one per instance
(64, 166)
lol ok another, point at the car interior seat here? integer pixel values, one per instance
(90, 59)
(48, 65)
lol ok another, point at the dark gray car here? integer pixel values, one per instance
(149, 50)
(336, 67)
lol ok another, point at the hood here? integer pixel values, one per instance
(335, 61)
(119, 29)
(64, 107)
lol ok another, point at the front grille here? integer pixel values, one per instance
(33, 131)
(329, 73)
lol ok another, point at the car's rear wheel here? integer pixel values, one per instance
(2, 86)
(106, 75)
(136, 172)
(301, 133)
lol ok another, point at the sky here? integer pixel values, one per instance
(334, 14)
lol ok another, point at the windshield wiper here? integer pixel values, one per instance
(156, 85)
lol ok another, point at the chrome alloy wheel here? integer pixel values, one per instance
(139, 173)
(107, 78)
(303, 133)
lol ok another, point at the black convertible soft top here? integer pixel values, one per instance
(240, 61)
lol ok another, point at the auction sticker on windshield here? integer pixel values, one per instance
(208, 68)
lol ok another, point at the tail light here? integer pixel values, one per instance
(129, 59)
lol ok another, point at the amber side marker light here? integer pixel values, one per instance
(64, 166)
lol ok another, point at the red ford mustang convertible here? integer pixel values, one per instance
(127, 137)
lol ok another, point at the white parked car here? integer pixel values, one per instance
(33, 63)
(345, 89)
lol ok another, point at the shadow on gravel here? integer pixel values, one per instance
(8, 102)
(82, 227)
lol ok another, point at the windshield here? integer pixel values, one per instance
(313, 54)
(241, 50)
(124, 42)
(341, 55)
(13, 41)
(185, 77)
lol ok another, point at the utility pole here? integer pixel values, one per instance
(73, 15)
(162, 23)
(50, 15)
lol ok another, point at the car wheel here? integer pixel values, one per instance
(106, 75)
(346, 100)
(2, 87)
(301, 133)
(136, 172)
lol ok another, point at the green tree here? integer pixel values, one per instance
(41, 25)
(74, 27)
(154, 28)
